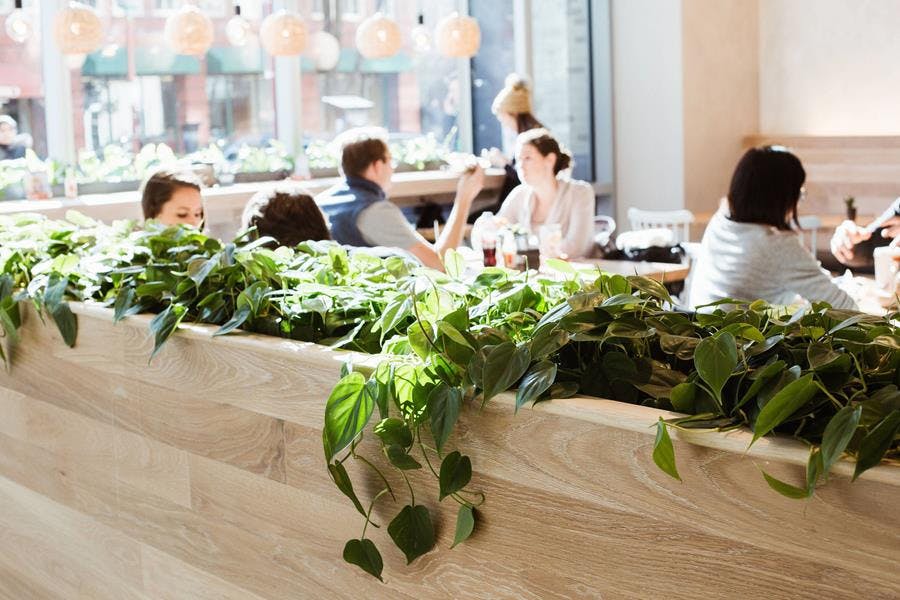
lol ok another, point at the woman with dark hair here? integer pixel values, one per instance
(289, 216)
(546, 198)
(750, 250)
(173, 197)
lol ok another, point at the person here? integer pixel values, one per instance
(172, 197)
(10, 144)
(750, 251)
(852, 245)
(361, 215)
(286, 214)
(546, 198)
(513, 108)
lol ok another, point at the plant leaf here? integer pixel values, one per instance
(342, 480)
(838, 433)
(664, 451)
(412, 531)
(364, 555)
(785, 403)
(164, 324)
(465, 524)
(346, 413)
(401, 459)
(873, 446)
(236, 320)
(456, 472)
(503, 366)
(536, 381)
(715, 358)
(443, 406)
(785, 489)
(394, 431)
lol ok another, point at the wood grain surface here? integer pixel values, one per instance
(200, 475)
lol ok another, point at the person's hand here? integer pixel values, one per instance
(847, 235)
(470, 184)
(892, 230)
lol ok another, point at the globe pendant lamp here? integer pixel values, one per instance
(238, 29)
(378, 37)
(458, 36)
(283, 34)
(189, 31)
(77, 31)
(19, 25)
(325, 51)
(421, 37)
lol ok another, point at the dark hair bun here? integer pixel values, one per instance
(563, 160)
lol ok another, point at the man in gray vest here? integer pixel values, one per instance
(361, 215)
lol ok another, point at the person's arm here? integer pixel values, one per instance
(848, 233)
(804, 276)
(467, 189)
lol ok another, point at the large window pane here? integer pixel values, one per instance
(21, 87)
(494, 61)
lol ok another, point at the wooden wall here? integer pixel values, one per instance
(200, 475)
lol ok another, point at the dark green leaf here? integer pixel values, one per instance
(503, 367)
(873, 446)
(394, 431)
(443, 405)
(66, 323)
(683, 396)
(236, 320)
(664, 452)
(785, 403)
(364, 555)
(715, 358)
(838, 433)
(785, 489)
(342, 481)
(412, 531)
(760, 378)
(401, 459)
(456, 472)
(465, 523)
(536, 381)
(546, 341)
(347, 411)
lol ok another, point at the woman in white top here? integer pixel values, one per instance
(749, 250)
(546, 198)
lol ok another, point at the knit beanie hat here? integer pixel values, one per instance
(515, 97)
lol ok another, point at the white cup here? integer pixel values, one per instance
(887, 263)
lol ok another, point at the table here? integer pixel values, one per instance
(664, 272)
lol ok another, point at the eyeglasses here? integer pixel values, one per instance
(802, 193)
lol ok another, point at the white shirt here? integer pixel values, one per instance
(749, 261)
(573, 209)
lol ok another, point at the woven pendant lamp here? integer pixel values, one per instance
(458, 36)
(19, 26)
(378, 37)
(283, 34)
(77, 30)
(325, 51)
(189, 31)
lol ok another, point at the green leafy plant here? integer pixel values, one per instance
(824, 376)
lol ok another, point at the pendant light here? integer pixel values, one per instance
(189, 31)
(283, 34)
(325, 50)
(378, 37)
(458, 36)
(19, 25)
(238, 29)
(77, 31)
(421, 37)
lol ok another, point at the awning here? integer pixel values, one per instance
(228, 60)
(159, 61)
(351, 61)
(100, 64)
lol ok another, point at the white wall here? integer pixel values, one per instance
(648, 105)
(830, 67)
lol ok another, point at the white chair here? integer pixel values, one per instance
(810, 223)
(679, 221)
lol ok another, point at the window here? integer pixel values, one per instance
(21, 87)
(494, 61)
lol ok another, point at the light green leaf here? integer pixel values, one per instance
(715, 358)
(465, 524)
(838, 433)
(785, 403)
(347, 412)
(664, 451)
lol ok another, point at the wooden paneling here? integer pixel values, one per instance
(200, 475)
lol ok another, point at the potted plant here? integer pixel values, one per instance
(850, 201)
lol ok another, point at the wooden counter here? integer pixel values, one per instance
(200, 475)
(224, 205)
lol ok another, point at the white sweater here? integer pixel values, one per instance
(573, 209)
(748, 261)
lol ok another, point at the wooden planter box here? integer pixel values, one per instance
(200, 475)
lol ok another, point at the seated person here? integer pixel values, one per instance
(172, 197)
(853, 245)
(11, 145)
(361, 215)
(286, 214)
(749, 250)
(547, 198)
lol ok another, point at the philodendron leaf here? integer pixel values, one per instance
(785, 403)
(164, 325)
(838, 433)
(412, 531)
(715, 358)
(785, 489)
(503, 366)
(760, 378)
(536, 381)
(236, 320)
(394, 431)
(465, 524)
(364, 555)
(346, 413)
(401, 459)
(342, 481)
(456, 472)
(664, 452)
(123, 305)
(443, 406)
(66, 323)
(873, 446)
(454, 264)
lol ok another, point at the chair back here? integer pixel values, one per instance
(679, 221)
